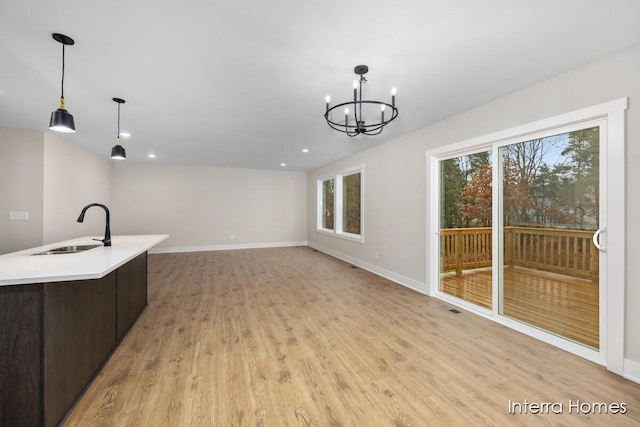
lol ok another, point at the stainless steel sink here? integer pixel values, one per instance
(72, 249)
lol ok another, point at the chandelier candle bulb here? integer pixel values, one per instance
(393, 96)
(382, 113)
(327, 100)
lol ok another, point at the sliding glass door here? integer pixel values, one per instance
(550, 259)
(518, 241)
(465, 228)
(549, 213)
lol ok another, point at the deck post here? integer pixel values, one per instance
(509, 244)
(459, 252)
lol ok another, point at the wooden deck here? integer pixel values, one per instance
(560, 304)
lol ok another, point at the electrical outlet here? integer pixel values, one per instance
(18, 216)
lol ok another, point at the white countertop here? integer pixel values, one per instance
(23, 267)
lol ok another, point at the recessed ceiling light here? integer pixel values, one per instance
(125, 134)
(283, 164)
(151, 156)
(305, 150)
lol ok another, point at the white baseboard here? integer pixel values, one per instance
(387, 274)
(175, 249)
(632, 370)
(407, 282)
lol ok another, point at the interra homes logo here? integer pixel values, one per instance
(570, 407)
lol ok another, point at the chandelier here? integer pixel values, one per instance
(354, 123)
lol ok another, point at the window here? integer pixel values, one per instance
(327, 203)
(340, 204)
(351, 203)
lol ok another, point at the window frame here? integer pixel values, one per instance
(338, 208)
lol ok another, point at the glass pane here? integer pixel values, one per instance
(465, 228)
(550, 276)
(327, 204)
(351, 203)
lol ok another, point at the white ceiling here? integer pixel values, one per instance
(242, 83)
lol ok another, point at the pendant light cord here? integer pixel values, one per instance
(118, 120)
(62, 83)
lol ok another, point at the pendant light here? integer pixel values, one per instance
(117, 152)
(61, 120)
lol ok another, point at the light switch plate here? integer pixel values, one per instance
(18, 216)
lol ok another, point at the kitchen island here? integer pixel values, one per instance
(61, 316)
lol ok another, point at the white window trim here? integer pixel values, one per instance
(611, 352)
(337, 204)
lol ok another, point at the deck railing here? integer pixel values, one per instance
(569, 252)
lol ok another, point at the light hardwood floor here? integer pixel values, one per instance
(293, 337)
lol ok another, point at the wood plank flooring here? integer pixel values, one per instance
(560, 304)
(294, 337)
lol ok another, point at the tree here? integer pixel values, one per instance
(477, 195)
(522, 161)
(351, 203)
(327, 204)
(583, 152)
(452, 180)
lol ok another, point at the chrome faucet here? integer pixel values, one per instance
(107, 230)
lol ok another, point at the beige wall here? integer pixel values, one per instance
(73, 178)
(51, 179)
(21, 169)
(208, 207)
(200, 207)
(395, 179)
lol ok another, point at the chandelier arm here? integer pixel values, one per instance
(394, 113)
(333, 124)
(339, 127)
(342, 128)
(371, 131)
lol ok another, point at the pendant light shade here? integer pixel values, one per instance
(61, 120)
(117, 152)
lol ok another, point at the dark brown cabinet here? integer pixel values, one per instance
(21, 394)
(131, 292)
(54, 337)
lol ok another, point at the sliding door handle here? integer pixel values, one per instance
(596, 239)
